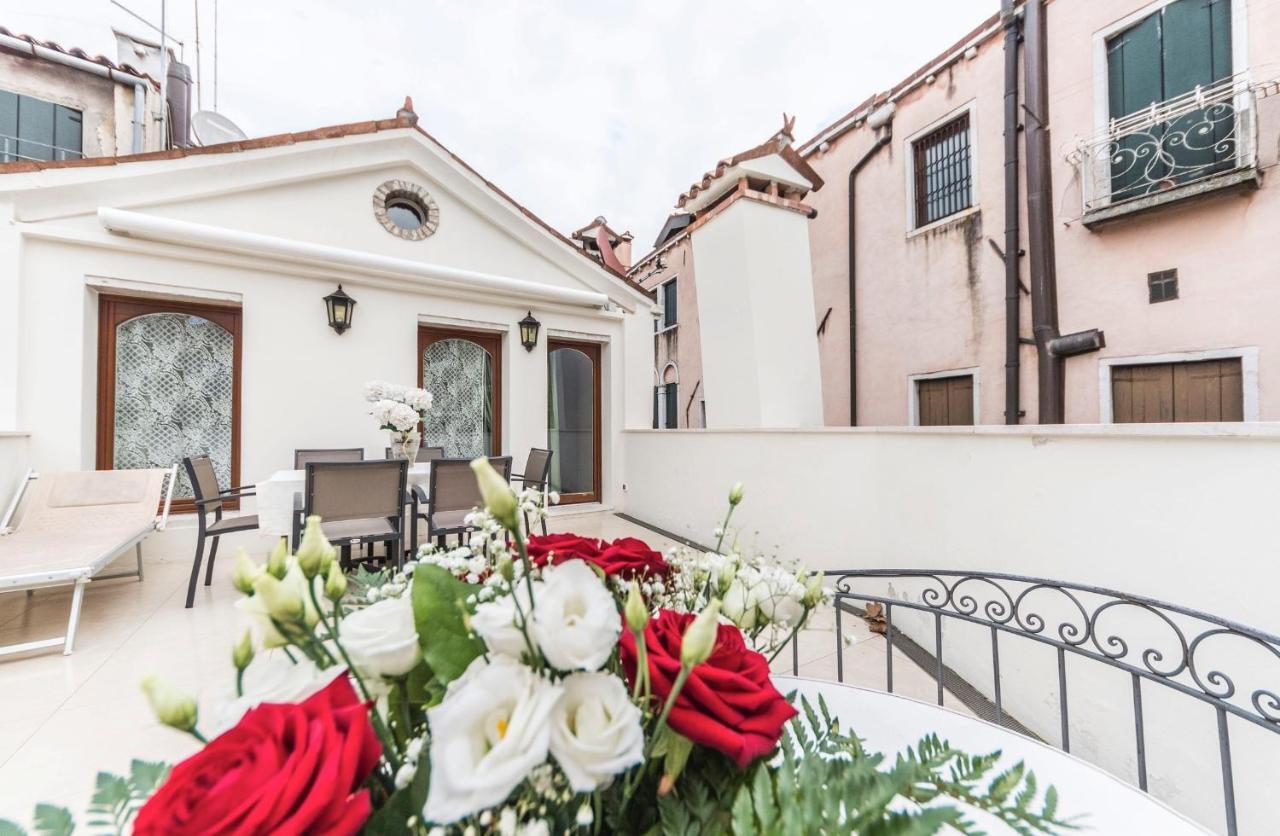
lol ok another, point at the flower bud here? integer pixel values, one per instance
(700, 636)
(283, 603)
(635, 610)
(242, 653)
(506, 568)
(499, 499)
(315, 550)
(735, 493)
(277, 563)
(246, 571)
(813, 591)
(172, 707)
(335, 585)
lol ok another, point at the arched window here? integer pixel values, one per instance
(666, 399)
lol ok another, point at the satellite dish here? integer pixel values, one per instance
(210, 128)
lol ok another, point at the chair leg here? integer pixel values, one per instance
(138, 549)
(195, 572)
(213, 554)
(346, 556)
(544, 526)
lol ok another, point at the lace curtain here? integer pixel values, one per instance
(173, 394)
(459, 375)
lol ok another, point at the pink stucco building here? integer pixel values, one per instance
(1160, 121)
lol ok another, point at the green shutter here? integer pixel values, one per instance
(1135, 68)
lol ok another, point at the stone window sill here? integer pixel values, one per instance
(1239, 180)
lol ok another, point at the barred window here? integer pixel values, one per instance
(943, 172)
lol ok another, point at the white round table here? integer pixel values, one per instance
(888, 723)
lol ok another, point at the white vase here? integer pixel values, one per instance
(405, 445)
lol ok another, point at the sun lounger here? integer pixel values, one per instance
(70, 526)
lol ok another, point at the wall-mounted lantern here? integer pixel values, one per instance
(529, 331)
(341, 308)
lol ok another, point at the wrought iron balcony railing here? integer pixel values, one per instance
(1228, 668)
(1206, 133)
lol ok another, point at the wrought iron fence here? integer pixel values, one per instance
(1209, 131)
(1154, 642)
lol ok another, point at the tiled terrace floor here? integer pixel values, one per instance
(64, 718)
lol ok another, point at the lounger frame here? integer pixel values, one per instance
(80, 576)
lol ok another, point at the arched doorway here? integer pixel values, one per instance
(463, 372)
(573, 419)
(168, 387)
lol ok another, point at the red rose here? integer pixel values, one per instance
(626, 556)
(631, 558)
(557, 548)
(728, 702)
(287, 768)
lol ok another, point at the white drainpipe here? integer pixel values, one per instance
(138, 83)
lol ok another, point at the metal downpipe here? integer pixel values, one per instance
(885, 129)
(1044, 283)
(1012, 231)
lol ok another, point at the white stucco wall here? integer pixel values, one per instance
(1183, 514)
(755, 311)
(14, 462)
(301, 382)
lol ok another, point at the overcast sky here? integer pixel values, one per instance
(576, 109)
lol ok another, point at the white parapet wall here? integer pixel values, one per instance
(14, 461)
(1187, 514)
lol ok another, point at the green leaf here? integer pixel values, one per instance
(51, 820)
(8, 828)
(145, 777)
(439, 600)
(391, 818)
(762, 796)
(744, 817)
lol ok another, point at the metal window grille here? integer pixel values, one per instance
(1162, 286)
(943, 172)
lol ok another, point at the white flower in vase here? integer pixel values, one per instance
(381, 390)
(596, 730)
(381, 639)
(394, 416)
(490, 731)
(419, 400)
(576, 623)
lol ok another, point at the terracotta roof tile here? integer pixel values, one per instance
(76, 52)
(776, 144)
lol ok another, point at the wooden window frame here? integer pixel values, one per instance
(592, 350)
(913, 393)
(115, 310)
(1248, 357)
(490, 341)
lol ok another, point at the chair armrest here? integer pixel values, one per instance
(418, 492)
(243, 490)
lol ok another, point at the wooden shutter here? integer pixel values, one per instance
(945, 401)
(673, 406)
(1207, 390)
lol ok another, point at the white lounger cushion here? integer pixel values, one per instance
(70, 525)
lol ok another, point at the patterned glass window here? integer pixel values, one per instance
(943, 172)
(459, 375)
(174, 384)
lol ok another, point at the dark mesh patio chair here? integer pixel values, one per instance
(301, 458)
(209, 499)
(537, 474)
(453, 495)
(425, 454)
(358, 502)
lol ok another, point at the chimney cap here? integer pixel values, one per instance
(406, 111)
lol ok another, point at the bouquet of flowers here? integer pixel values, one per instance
(399, 409)
(394, 416)
(419, 400)
(535, 685)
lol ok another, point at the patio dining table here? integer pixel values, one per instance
(280, 495)
(889, 723)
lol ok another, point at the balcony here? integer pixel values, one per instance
(19, 149)
(1192, 145)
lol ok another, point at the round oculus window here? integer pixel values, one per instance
(406, 210)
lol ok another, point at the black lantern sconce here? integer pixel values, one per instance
(529, 331)
(341, 308)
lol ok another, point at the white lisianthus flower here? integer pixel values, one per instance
(781, 597)
(595, 730)
(273, 677)
(576, 623)
(740, 603)
(381, 639)
(495, 621)
(491, 729)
